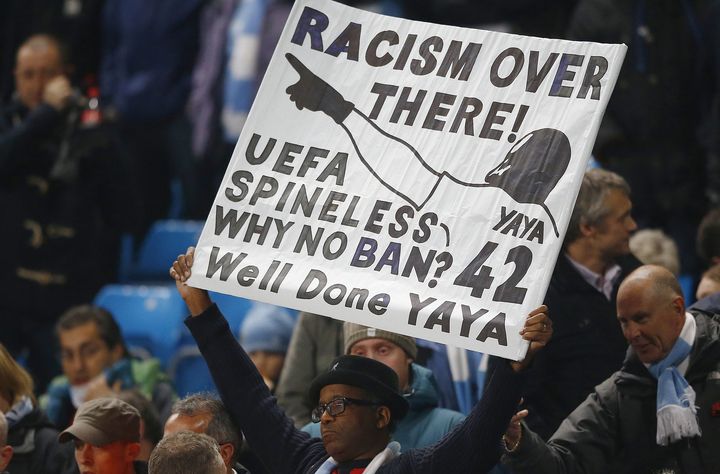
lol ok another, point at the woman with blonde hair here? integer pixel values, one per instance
(31, 435)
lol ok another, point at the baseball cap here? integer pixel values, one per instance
(356, 332)
(103, 421)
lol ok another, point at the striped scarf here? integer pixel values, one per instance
(391, 451)
(676, 410)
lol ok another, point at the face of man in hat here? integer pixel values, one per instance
(388, 353)
(106, 434)
(358, 432)
(112, 458)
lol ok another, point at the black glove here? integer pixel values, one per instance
(314, 94)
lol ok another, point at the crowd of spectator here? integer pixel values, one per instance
(117, 113)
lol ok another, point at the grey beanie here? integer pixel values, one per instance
(356, 332)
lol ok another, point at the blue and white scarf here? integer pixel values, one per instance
(676, 411)
(391, 451)
(19, 410)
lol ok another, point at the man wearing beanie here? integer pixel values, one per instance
(106, 433)
(265, 334)
(357, 401)
(424, 423)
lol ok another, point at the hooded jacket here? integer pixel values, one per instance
(424, 423)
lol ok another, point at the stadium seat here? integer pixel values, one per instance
(189, 372)
(150, 317)
(233, 308)
(688, 284)
(163, 243)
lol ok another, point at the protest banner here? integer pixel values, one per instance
(413, 177)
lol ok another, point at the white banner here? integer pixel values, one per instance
(413, 177)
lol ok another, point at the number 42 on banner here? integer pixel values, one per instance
(479, 276)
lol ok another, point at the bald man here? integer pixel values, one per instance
(659, 413)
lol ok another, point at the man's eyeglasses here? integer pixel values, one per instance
(337, 406)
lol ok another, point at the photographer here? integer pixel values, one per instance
(63, 201)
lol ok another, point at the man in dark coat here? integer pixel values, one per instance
(655, 131)
(660, 412)
(588, 344)
(63, 200)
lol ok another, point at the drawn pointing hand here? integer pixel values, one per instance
(312, 93)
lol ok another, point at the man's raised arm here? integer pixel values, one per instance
(270, 433)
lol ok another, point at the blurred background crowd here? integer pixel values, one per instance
(118, 119)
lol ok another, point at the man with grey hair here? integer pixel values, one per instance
(6, 451)
(204, 413)
(655, 247)
(588, 344)
(186, 452)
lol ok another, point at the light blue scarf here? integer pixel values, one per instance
(676, 411)
(22, 408)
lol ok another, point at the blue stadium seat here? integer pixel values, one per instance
(687, 283)
(233, 308)
(163, 243)
(189, 372)
(150, 317)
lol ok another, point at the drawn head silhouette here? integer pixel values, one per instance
(533, 166)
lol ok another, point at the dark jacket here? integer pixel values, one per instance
(586, 348)
(149, 49)
(665, 74)
(63, 228)
(614, 430)
(35, 446)
(472, 447)
(709, 304)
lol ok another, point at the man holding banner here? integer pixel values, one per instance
(410, 177)
(358, 401)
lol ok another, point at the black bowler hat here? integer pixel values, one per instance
(368, 374)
